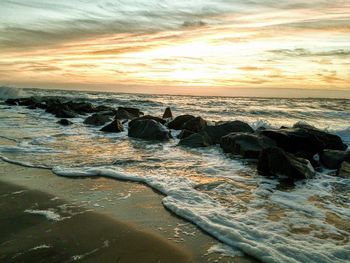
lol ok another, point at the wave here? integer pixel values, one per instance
(11, 92)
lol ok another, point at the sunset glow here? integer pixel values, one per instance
(275, 44)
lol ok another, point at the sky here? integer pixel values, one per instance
(183, 46)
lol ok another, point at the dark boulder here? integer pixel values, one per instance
(12, 102)
(303, 125)
(218, 131)
(97, 119)
(184, 133)
(305, 140)
(275, 161)
(64, 122)
(104, 108)
(149, 130)
(114, 126)
(148, 117)
(196, 140)
(167, 113)
(29, 101)
(247, 145)
(32, 107)
(179, 121)
(65, 113)
(57, 107)
(332, 159)
(330, 141)
(80, 107)
(195, 124)
(124, 113)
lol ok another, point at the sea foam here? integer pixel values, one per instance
(249, 232)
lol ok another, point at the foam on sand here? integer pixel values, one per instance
(49, 214)
(249, 231)
(24, 164)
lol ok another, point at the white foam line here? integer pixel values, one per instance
(47, 213)
(24, 164)
(200, 209)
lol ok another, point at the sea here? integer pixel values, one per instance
(222, 194)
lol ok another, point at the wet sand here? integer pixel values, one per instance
(77, 234)
(107, 206)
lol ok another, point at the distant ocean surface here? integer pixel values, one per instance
(223, 195)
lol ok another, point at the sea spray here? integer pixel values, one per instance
(11, 92)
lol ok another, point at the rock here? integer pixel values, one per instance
(179, 121)
(27, 101)
(305, 140)
(57, 107)
(184, 133)
(167, 113)
(114, 126)
(12, 102)
(148, 130)
(104, 108)
(314, 162)
(64, 122)
(303, 125)
(80, 107)
(196, 140)
(330, 141)
(195, 124)
(275, 161)
(97, 119)
(218, 131)
(344, 170)
(32, 107)
(332, 159)
(62, 113)
(148, 117)
(124, 113)
(247, 145)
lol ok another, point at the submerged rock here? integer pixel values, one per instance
(275, 161)
(167, 113)
(196, 140)
(218, 131)
(97, 119)
(247, 145)
(332, 159)
(64, 122)
(148, 129)
(114, 126)
(179, 121)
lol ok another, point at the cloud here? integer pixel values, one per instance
(301, 52)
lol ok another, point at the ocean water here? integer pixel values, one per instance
(222, 194)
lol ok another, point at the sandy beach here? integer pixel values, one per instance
(32, 232)
(96, 221)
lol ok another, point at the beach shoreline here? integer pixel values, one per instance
(33, 232)
(127, 205)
